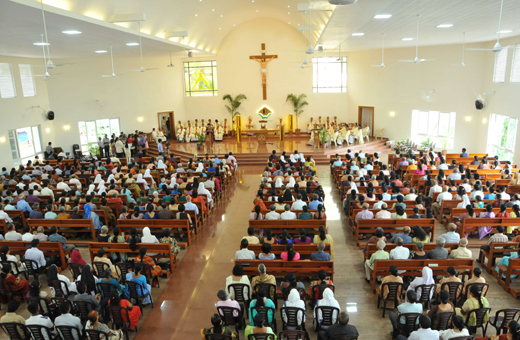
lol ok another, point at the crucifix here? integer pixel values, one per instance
(263, 59)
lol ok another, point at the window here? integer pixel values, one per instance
(200, 78)
(329, 75)
(502, 137)
(90, 131)
(25, 143)
(499, 76)
(7, 89)
(26, 76)
(515, 67)
(438, 127)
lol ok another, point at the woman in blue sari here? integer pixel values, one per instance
(136, 276)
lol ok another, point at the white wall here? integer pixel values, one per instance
(75, 94)
(17, 112)
(238, 74)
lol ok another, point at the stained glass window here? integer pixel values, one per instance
(200, 78)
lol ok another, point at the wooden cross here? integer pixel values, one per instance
(263, 59)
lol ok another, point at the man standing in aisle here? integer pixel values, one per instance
(106, 146)
(101, 146)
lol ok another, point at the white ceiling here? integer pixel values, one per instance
(21, 23)
(478, 18)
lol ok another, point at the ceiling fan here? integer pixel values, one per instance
(142, 69)
(497, 47)
(46, 74)
(113, 72)
(383, 56)
(416, 60)
(310, 49)
(463, 54)
(171, 63)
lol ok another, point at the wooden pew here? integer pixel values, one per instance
(497, 249)
(292, 226)
(163, 250)
(173, 225)
(17, 216)
(390, 226)
(471, 225)
(372, 247)
(305, 250)
(76, 226)
(280, 268)
(48, 248)
(512, 269)
(414, 268)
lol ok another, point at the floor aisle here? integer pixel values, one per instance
(188, 299)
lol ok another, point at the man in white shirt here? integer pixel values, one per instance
(295, 157)
(364, 214)
(502, 191)
(466, 185)
(272, 215)
(386, 195)
(4, 216)
(514, 201)
(399, 252)
(379, 204)
(38, 319)
(424, 332)
(435, 188)
(120, 148)
(451, 236)
(244, 253)
(288, 214)
(462, 252)
(37, 171)
(411, 196)
(455, 175)
(27, 236)
(353, 166)
(74, 180)
(46, 190)
(443, 165)
(384, 213)
(62, 185)
(12, 235)
(298, 204)
(67, 319)
(445, 195)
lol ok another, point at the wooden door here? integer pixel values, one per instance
(162, 120)
(360, 118)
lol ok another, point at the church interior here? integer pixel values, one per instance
(184, 110)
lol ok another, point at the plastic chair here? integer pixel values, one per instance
(261, 336)
(123, 269)
(394, 291)
(480, 313)
(58, 286)
(105, 288)
(137, 293)
(500, 322)
(484, 289)
(40, 332)
(287, 290)
(227, 315)
(242, 294)
(32, 268)
(13, 330)
(99, 267)
(13, 265)
(84, 307)
(426, 294)
(147, 270)
(327, 315)
(75, 270)
(93, 334)
(265, 311)
(292, 335)
(344, 337)
(212, 336)
(320, 289)
(410, 324)
(68, 332)
(442, 321)
(455, 290)
(7, 291)
(117, 319)
(291, 318)
(270, 291)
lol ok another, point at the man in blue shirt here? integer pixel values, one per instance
(410, 306)
(55, 237)
(405, 236)
(159, 146)
(320, 255)
(190, 206)
(216, 160)
(315, 202)
(464, 153)
(338, 162)
(386, 195)
(23, 205)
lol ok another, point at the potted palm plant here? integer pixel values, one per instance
(234, 104)
(298, 102)
(324, 137)
(93, 149)
(200, 138)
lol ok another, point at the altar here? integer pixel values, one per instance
(261, 134)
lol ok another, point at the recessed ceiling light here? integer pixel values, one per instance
(288, 12)
(41, 44)
(132, 44)
(505, 31)
(445, 26)
(221, 15)
(407, 39)
(219, 28)
(288, 6)
(382, 16)
(257, 10)
(358, 34)
(71, 32)
(195, 14)
(213, 10)
(289, 23)
(234, 25)
(101, 51)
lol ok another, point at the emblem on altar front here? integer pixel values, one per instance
(264, 112)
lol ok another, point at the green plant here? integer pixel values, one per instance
(298, 102)
(444, 142)
(324, 134)
(92, 148)
(234, 104)
(426, 143)
(200, 137)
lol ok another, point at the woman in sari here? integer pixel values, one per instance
(483, 231)
(203, 191)
(475, 301)
(134, 312)
(136, 276)
(156, 270)
(17, 284)
(75, 257)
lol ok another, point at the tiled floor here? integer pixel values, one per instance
(185, 302)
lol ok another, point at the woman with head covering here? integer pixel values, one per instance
(101, 184)
(52, 274)
(425, 279)
(278, 183)
(294, 301)
(111, 177)
(98, 179)
(203, 191)
(89, 214)
(200, 167)
(91, 189)
(353, 186)
(101, 188)
(291, 183)
(140, 179)
(75, 257)
(161, 165)
(465, 202)
(327, 301)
